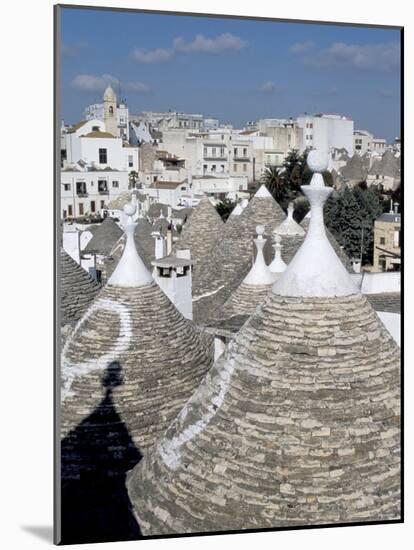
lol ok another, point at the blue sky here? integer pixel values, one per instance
(232, 69)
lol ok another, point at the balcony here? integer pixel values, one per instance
(103, 192)
(81, 193)
(217, 157)
(242, 159)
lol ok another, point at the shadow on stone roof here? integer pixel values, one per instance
(96, 456)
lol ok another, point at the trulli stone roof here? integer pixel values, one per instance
(232, 255)
(298, 423)
(104, 238)
(162, 355)
(199, 234)
(77, 289)
(355, 169)
(252, 290)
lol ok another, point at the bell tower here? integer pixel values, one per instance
(110, 114)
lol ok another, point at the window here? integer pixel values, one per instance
(80, 188)
(111, 110)
(64, 214)
(244, 152)
(102, 204)
(95, 128)
(358, 147)
(396, 239)
(121, 120)
(155, 178)
(115, 184)
(222, 151)
(244, 167)
(222, 136)
(214, 152)
(103, 157)
(93, 206)
(66, 186)
(205, 168)
(382, 240)
(235, 151)
(235, 167)
(130, 161)
(81, 209)
(102, 186)
(213, 167)
(70, 210)
(222, 167)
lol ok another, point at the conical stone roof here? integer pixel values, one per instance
(355, 169)
(77, 289)
(199, 234)
(104, 238)
(253, 289)
(298, 422)
(162, 356)
(233, 253)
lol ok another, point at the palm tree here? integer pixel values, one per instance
(275, 183)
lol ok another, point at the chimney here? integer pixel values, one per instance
(169, 239)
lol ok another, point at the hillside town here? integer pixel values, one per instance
(230, 349)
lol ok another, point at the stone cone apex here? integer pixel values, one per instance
(297, 423)
(278, 265)
(199, 234)
(289, 226)
(77, 289)
(131, 270)
(316, 269)
(262, 192)
(230, 259)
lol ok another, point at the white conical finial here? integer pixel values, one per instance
(277, 265)
(289, 226)
(316, 269)
(259, 273)
(131, 270)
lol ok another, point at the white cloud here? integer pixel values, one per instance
(72, 48)
(93, 83)
(382, 56)
(152, 56)
(137, 87)
(270, 87)
(96, 83)
(225, 42)
(222, 43)
(301, 47)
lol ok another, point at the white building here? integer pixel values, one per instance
(170, 120)
(85, 191)
(218, 152)
(379, 145)
(325, 131)
(88, 142)
(362, 141)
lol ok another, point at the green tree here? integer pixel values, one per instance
(224, 208)
(275, 184)
(350, 216)
(284, 183)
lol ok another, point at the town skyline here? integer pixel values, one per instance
(231, 69)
